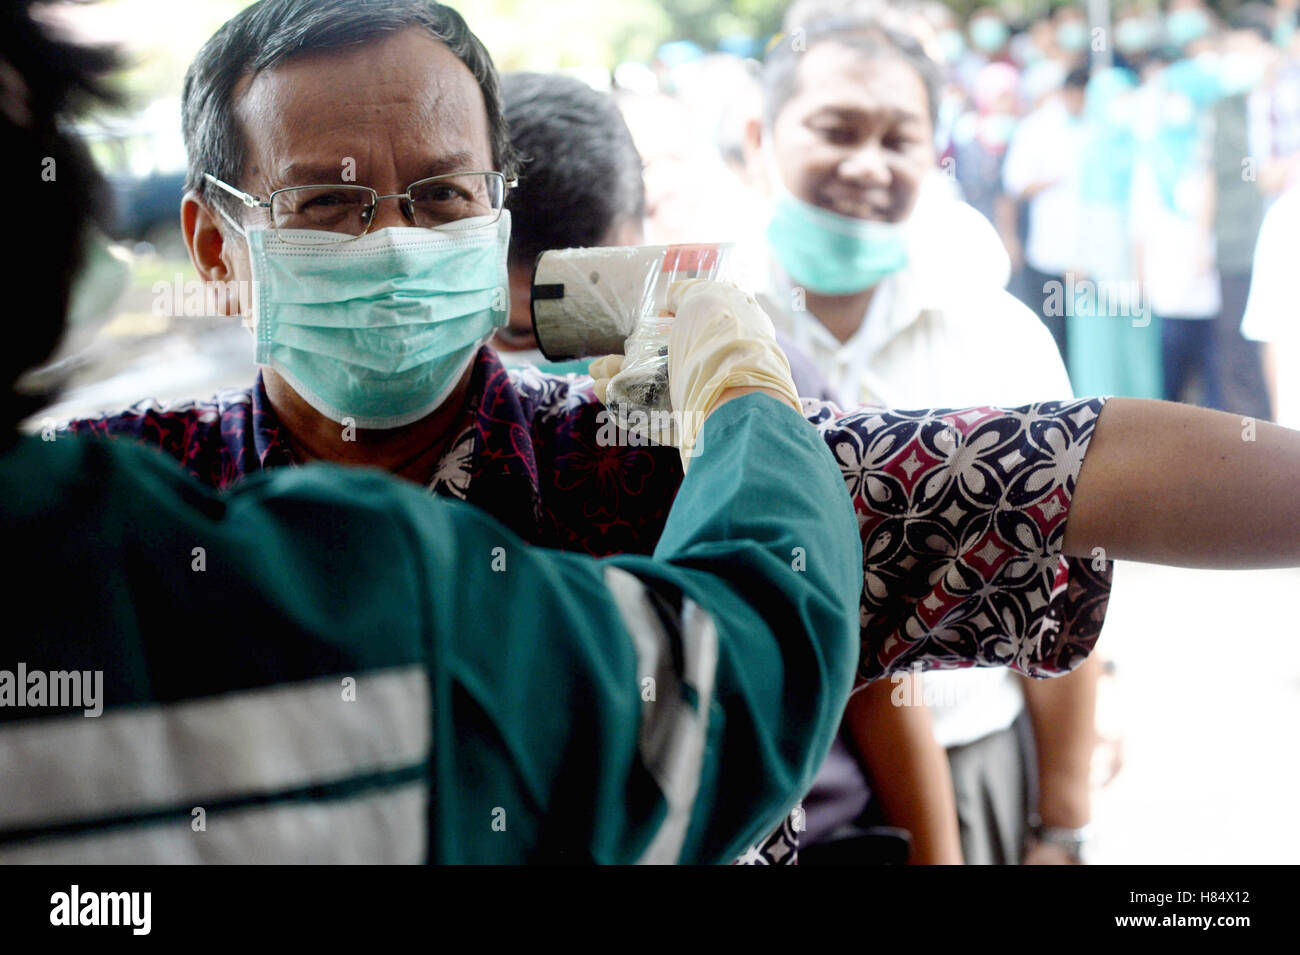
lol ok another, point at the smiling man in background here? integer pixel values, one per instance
(877, 275)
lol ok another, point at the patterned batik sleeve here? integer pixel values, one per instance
(211, 440)
(962, 515)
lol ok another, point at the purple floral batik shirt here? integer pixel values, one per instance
(961, 513)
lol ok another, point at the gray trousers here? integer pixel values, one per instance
(993, 780)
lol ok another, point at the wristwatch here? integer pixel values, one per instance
(1070, 840)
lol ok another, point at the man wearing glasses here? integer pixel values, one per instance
(314, 173)
(374, 329)
(348, 164)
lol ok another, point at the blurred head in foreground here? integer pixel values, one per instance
(56, 192)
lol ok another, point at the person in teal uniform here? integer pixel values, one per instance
(1114, 339)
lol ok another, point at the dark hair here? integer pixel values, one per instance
(581, 173)
(869, 36)
(272, 31)
(44, 81)
(1254, 16)
(1077, 78)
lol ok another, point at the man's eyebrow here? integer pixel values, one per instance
(857, 113)
(312, 173)
(452, 162)
(307, 173)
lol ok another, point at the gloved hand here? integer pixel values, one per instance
(602, 370)
(720, 338)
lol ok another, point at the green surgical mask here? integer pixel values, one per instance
(1135, 35)
(951, 44)
(833, 254)
(997, 130)
(989, 34)
(378, 329)
(1184, 26)
(1285, 29)
(1072, 36)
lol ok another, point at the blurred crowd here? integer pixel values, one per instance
(1126, 165)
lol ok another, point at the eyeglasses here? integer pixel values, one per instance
(458, 200)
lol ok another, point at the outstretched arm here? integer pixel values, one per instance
(1172, 484)
(988, 534)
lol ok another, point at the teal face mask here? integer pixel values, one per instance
(1072, 36)
(988, 34)
(833, 254)
(1285, 29)
(1134, 35)
(951, 44)
(378, 329)
(997, 130)
(1184, 26)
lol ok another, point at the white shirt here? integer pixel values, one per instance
(1179, 276)
(1048, 147)
(939, 335)
(959, 234)
(1272, 312)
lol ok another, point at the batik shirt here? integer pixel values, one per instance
(961, 513)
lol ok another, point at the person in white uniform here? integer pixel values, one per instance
(1272, 315)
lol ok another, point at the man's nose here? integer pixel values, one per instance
(868, 165)
(388, 212)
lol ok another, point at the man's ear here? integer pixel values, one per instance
(202, 229)
(755, 165)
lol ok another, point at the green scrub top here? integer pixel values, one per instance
(334, 666)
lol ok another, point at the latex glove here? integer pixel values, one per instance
(602, 370)
(720, 338)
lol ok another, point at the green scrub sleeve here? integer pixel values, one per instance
(665, 709)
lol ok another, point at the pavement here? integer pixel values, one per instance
(1206, 694)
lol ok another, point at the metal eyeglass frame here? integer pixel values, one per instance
(253, 202)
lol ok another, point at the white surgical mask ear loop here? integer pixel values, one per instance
(231, 222)
(249, 321)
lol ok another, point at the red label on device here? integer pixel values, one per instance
(690, 258)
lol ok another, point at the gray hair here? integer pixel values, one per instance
(272, 31)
